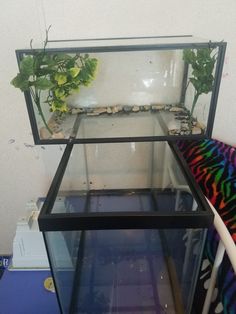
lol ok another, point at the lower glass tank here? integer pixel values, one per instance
(126, 271)
(124, 226)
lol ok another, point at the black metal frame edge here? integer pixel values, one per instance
(56, 182)
(216, 88)
(77, 275)
(29, 105)
(121, 220)
(100, 49)
(160, 138)
(61, 222)
(195, 188)
(194, 285)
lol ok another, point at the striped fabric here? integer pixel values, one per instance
(213, 165)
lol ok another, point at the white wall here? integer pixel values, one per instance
(26, 171)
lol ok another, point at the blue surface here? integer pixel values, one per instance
(23, 292)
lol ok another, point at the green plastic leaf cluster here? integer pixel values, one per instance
(60, 74)
(203, 64)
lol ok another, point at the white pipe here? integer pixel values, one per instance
(212, 281)
(225, 237)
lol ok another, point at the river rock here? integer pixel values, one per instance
(44, 134)
(89, 110)
(77, 110)
(127, 108)
(100, 110)
(115, 109)
(176, 109)
(109, 110)
(196, 130)
(200, 125)
(174, 132)
(184, 125)
(135, 108)
(58, 135)
(93, 113)
(158, 107)
(146, 107)
(119, 108)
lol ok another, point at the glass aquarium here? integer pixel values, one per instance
(124, 226)
(121, 89)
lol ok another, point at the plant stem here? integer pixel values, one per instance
(37, 102)
(194, 103)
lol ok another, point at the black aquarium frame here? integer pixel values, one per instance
(48, 221)
(98, 49)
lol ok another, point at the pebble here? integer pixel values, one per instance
(158, 107)
(119, 108)
(176, 109)
(109, 110)
(135, 108)
(187, 132)
(184, 125)
(127, 108)
(57, 129)
(93, 113)
(200, 125)
(58, 135)
(88, 110)
(77, 110)
(146, 107)
(174, 131)
(167, 107)
(44, 134)
(100, 110)
(196, 130)
(115, 109)
(180, 117)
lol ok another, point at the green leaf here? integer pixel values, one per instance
(74, 71)
(42, 83)
(20, 81)
(189, 56)
(27, 66)
(60, 93)
(59, 105)
(61, 78)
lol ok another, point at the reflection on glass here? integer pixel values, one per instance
(124, 271)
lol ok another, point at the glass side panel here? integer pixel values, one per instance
(108, 94)
(123, 177)
(63, 253)
(127, 271)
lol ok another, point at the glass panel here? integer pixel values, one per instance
(126, 271)
(123, 177)
(63, 247)
(99, 93)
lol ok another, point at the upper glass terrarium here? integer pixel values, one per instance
(130, 89)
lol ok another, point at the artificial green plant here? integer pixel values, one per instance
(202, 62)
(59, 74)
